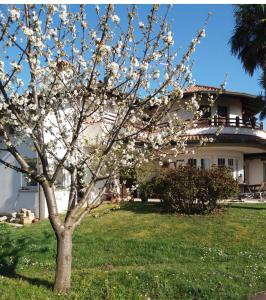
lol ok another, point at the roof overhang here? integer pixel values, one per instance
(230, 139)
(251, 156)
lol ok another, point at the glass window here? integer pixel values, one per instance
(180, 163)
(222, 115)
(192, 162)
(221, 162)
(231, 164)
(206, 111)
(60, 179)
(27, 181)
(205, 163)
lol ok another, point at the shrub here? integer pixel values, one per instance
(140, 177)
(191, 190)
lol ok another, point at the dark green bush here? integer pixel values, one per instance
(191, 190)
(141, 177)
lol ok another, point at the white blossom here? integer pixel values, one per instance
(166, 76)
(63, 14)
(156, 74)
(179, 93)
(27, 31)
(141, 25)
(156, 55)
(84, 24)
(114, 68)
(168, 39)
(202, 33)
(52, 32)
(2, 65)
(115, 19)
(14, 14)
(28, 131)
(16, 66)
(135, 62)
(144, 66)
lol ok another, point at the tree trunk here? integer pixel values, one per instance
(63, 262)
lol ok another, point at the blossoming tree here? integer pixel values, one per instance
(59, 75)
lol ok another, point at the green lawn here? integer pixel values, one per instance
(136, 252)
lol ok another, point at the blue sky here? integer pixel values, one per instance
(213, 59)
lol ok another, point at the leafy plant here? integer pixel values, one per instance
(191, 190)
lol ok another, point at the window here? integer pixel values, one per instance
(221, 162)
(222, 115)
(171, 165)
(60, 179)
(231, 164)
(205, 119)
(27, 181)
(192, 162)
(206, 111)
(180, 163)
(205, 163)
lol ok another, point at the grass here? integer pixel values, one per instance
(136, 252)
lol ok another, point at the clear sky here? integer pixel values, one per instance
(213, 59)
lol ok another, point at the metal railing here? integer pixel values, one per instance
(229, 122)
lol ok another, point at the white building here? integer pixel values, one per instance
(241, 143)
(17, 191)
(241, 146)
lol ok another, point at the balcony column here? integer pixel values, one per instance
(237, 121)
(253, 122)
(215, 121)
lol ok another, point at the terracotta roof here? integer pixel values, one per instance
(201, 88)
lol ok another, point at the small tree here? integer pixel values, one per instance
(60, 74)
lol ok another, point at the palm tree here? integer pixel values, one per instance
(248, 42)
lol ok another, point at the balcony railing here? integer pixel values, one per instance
(229, 122)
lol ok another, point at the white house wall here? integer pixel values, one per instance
(213, 156)
(61, 196)
(12, 197)
(229, 130)
(234, 107)
(255, 171)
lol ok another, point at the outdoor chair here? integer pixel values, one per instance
(253, 193)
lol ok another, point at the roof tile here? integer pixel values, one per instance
(201, 88)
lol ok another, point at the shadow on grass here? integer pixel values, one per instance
(248, 206)
(143, 207)
(146, 208)
(12, 252)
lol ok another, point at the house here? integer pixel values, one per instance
(241, 142)
(240, 146)
(17, 191)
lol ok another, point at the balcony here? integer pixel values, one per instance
(216, 121)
